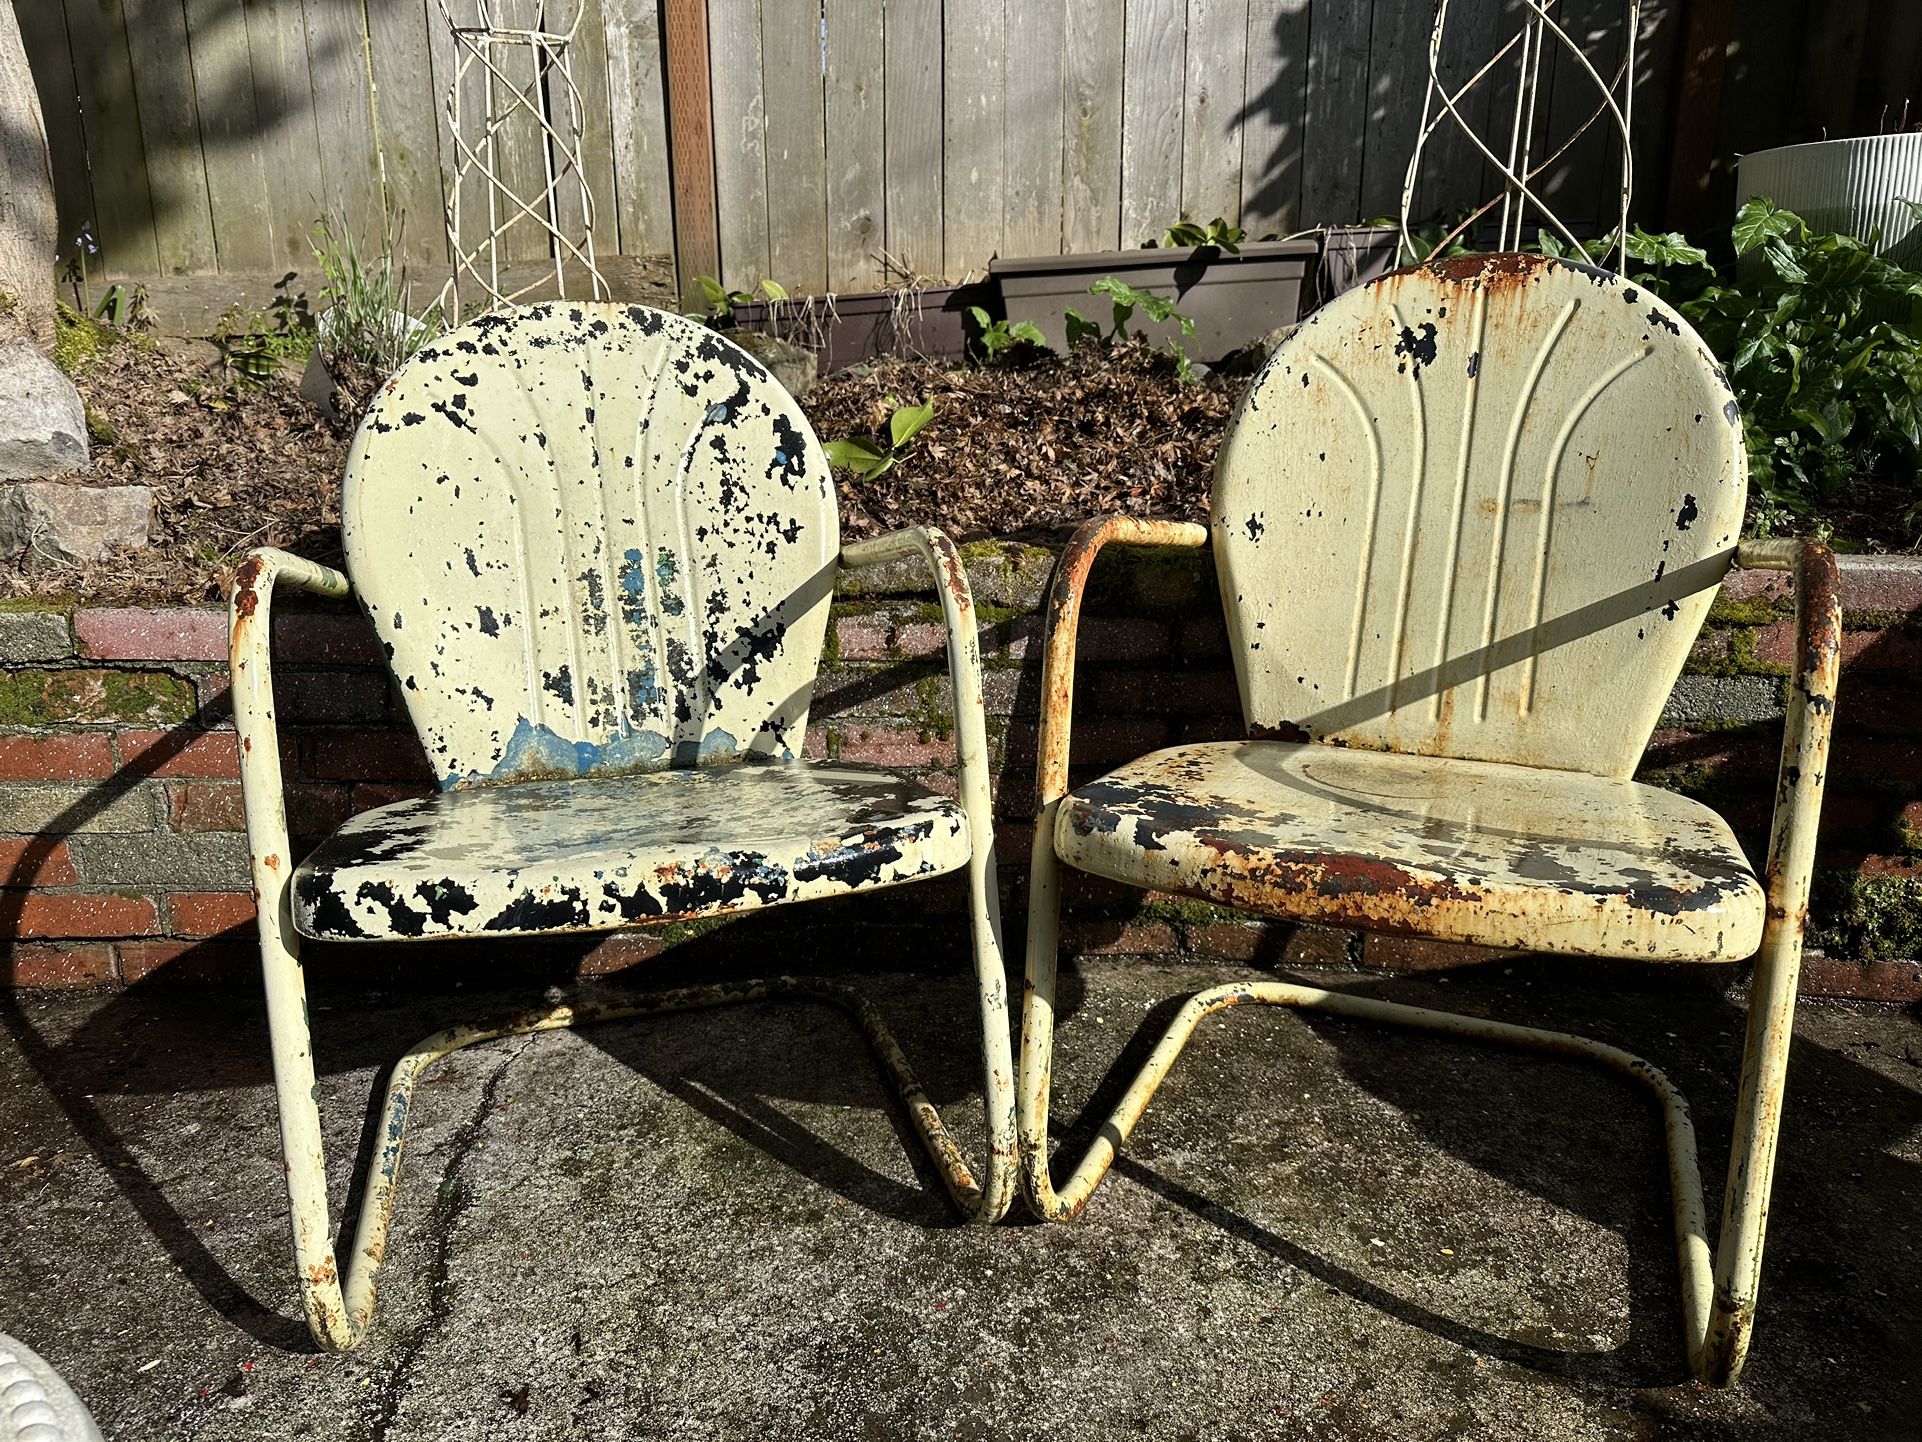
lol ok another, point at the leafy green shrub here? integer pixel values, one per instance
(1127, 300)
(718, 301)
(871, 459)
(1000, 340)
(1822, 341)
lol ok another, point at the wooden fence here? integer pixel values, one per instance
(195, 136)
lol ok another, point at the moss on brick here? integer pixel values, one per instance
(1756, 611)
(1741, 649)
(37, 697)
(37, 605)
(1866, 918)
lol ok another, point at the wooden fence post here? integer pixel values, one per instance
(690, 127)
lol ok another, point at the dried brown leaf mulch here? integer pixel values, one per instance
(1020, 451)
(1029, 451)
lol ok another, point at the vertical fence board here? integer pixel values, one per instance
(792, 65)
(1156, 66)
(1583, 185)
(1091, 97)
(1037, 33)
(1657, 57)
(407, 125)
(343, 94)
(587, 63)
(740, 140)
(856, 143)
(913, 109)
(43, 31)
(1275, 90)
(170, 132)
(1334, 119)
(1397, 79)
(229, 122)
(289, 139)
(1217, 74)
(974, 81)
(637, 107)
(123, 212)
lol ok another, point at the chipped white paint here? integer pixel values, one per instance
(1468, 851)
(1478, 509)
(607, 852)
(598, 543)
(594, 538)
(1489, 614)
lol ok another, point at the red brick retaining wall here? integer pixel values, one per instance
(123, 855)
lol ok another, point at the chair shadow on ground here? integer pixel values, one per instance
(1581, 1139)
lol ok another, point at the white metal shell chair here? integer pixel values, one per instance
(1467, 523)
(598, 544)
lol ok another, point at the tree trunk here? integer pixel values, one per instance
(29, 238)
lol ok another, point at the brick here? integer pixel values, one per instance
(1739, 586)
(47, 966)
(313, 809)
(1095, 740)
(366, 756)
(79, 756)
(1202, 638)
(319, 638)
(1888, 981)
(1723, 698)
(330, 698)
(34, 636)
(193, 963)
(1122, 638)
(1890, 649)
(60, 810)
(895, 748)
(1414, 953)
(619, 952)
(922, 639)
(208, 913)
(33, 697)
(1270, 942)
(206, 860)
(1159, 693)
(35, 861)
(1710, 651)
(1881, 583)
(1117, 938)
(863, 636)
(174, 633)
(180, 753)
(76, 914)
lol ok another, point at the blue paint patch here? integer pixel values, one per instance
(536, 751)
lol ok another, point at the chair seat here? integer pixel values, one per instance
(1470, 851)
(601, 853)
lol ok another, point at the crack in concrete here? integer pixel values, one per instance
(451, 1200)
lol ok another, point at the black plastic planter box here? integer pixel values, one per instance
(1234, 298)
(929, 323)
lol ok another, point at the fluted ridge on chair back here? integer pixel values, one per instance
(592, 538)
(1478, 508)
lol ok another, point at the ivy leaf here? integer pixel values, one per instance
(1759, 220)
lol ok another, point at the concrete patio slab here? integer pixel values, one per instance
(713, 1226)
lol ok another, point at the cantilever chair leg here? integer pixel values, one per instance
(339, 1308)
(1719, 1286)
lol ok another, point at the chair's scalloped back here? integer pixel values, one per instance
(593, 538)
(1478, 508)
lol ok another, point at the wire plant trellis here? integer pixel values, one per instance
(1515, 168)
(541, 98)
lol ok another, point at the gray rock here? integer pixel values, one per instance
(76, 524)
(794, 366)
(43, 423)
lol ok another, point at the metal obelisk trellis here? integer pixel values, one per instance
(1515, 166)
(540, 97)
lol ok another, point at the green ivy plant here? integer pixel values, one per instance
(1127, 300)
(999, 340)
(1186, 234)
(870, 459)
(1822, 342)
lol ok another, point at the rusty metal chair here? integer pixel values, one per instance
(599, 544)
(1467, 523)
